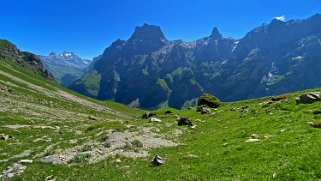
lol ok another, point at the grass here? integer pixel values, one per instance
(216, 150)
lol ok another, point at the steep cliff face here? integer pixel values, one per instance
(150, 71)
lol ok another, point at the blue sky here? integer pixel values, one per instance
(87, 27)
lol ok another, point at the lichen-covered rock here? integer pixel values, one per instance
(209, 100)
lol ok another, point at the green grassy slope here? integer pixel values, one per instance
(51, 121)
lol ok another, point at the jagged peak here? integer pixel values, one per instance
(215, 33)
(148, 32)
(316, 16)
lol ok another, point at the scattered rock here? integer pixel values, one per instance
(252, 140)
(148, 115)
(118, 160)
(254, 136)
(204, 110)
(225, 144)
(308, 98)
(91, 117)
(315, 125)
(184, 121)
(280, 97)
(51, 178)
(209, 100)
(233, 109)
(190, 108)
(11, 171)
(155, 120)
(157, 161)
(24, 154)
(25, 161)
(5, 137)
(168, 112)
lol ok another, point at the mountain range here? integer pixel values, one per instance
(66, 67)
(150, 71)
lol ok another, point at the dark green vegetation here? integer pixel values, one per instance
(150, 71)
(49, 120)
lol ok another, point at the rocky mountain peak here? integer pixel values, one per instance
(215, 33)
(148, 32)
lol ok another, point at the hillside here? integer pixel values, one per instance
(273, 58)
(50, 133)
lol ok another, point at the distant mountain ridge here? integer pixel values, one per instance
(150, 71)
(66, 67)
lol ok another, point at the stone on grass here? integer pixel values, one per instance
(91, 117)
(25, 161)
(204, 110)
(148, 115)
(315, 125)
(155, 120)
(254, 136)
(157, 161)
(252, 140)
(184, 121)
(308, 98)
(5, 137)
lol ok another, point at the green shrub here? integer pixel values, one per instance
(80, 158)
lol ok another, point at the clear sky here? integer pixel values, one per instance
(87, 27)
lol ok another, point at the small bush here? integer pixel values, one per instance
(80, 158)
(137, 143)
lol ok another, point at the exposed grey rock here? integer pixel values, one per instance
(308, 98)
(11, 171)
(25, 161)
(5, 137)
(24, 154)
(252, 140)
(148, 115)
(204, 110)
(254, 136)
(315, 125)
(155, 120)
(91, 117)
(157, 161)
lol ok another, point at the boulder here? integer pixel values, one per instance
(148, 115)
(315, 125)
(308, 98)
(157, 161)
(204, 109)
(5, 137)
(209, 100)
(155, 120)
(91, 117)
(184, 121)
